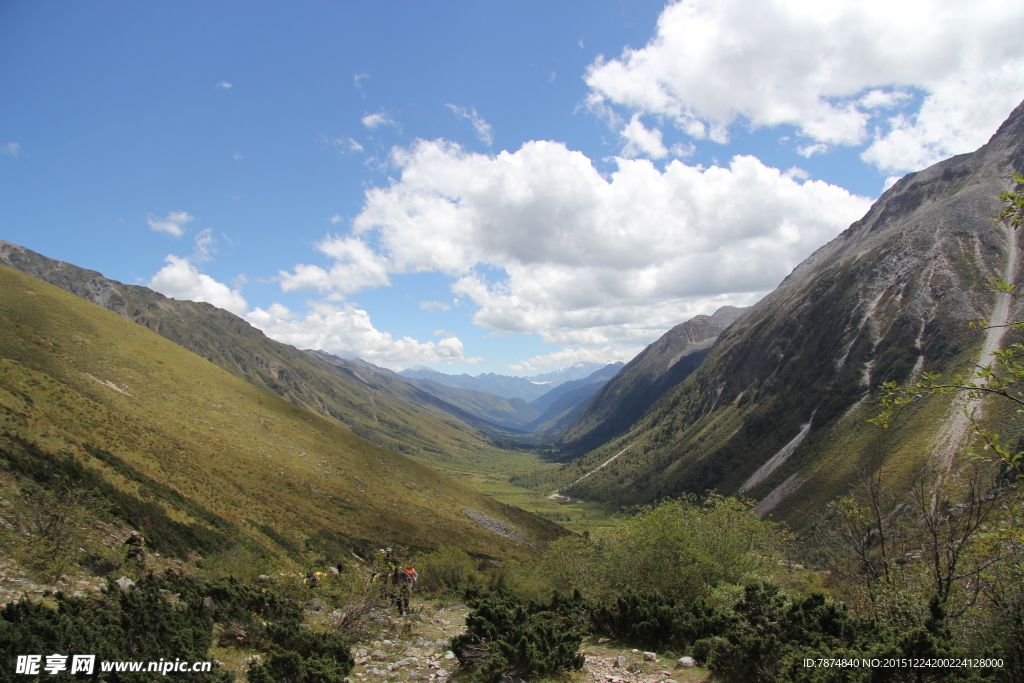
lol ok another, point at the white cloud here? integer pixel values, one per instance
(808, 151)
(832, 70)
(357, 79)
(205, 243)
(797, 173)
(539, 241)
(223, 85)
(336, 218)
(341, 144)
(483, 130)
(375, 121)
(173, 224)
(180, 279)
(346, 331)
(10, 149)
(642, 142)
(434, 306)
(880, 99)
(356, 266)
(567, 357)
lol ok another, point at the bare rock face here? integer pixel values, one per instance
(777, 409)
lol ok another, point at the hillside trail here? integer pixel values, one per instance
(417, 648)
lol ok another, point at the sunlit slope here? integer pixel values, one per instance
(428, 432)
(224, 462)
(777, 410)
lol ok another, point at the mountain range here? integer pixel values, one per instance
(777, 410)
(215, 427)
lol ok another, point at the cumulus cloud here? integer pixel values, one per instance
(835, 71)
(346, 331)
(567, 357)
(173, 224)
(483, 130)
(180, 279)
(356, 266)
(541, 242)
(375, 121)
(640, 141)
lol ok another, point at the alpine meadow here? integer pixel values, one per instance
(467, 343)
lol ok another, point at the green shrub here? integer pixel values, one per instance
(654, 622)
(117, 625)
(446, 570)
(505, 637)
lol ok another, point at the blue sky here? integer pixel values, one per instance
(506, 187)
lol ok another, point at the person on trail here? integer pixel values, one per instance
(398, 580)
(136, 547)
(390, 562)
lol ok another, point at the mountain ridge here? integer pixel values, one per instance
(777, 409)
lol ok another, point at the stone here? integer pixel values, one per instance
(686, 662)
(621, 661)
(251, 660)
(379, 655)
(602, 641)
(124, 583)
(441, 673)
(449, 655)
(650, 656)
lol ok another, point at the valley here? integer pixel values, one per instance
(734, 468)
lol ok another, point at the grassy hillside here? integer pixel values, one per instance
(203, 461)
(372, 407)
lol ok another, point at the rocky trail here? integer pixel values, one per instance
(422, 653)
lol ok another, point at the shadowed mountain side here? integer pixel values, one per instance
(416, 429)
(513, 413)
(657, 369)
(593, 381)
(777, 410)
(202, 461)
(526, 388)
(416, 392)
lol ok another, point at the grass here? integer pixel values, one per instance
(211, 451)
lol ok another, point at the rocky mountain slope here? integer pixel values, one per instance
(657, 369)
(777, 410)
(205, 463)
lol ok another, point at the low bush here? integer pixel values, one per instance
(505, 637)
(446, 570)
